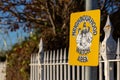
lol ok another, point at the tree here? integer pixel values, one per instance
(51, 17)
(53, 20)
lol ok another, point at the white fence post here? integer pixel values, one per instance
(51, 75)
(118, 57)
(40, 60)
(54, 65)
(61, 68)
(78, 72)
(45, 68)
(73, 72)
(100, 68)
(57, 65)
(31, 68)
(68, 71)
(65, 78)
(108, 50)
(48, 68)
(83, 73)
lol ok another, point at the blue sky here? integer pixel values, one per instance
(9, 39)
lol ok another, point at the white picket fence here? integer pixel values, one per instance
(2, 70)
(53, 65)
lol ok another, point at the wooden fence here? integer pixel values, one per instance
(2, 70)
(53, 65)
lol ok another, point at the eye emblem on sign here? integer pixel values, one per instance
(84, 36)
(83, 40)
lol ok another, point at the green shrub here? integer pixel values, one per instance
(18, 60)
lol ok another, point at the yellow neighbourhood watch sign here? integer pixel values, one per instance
(84, 38)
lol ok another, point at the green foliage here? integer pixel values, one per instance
(18, 59)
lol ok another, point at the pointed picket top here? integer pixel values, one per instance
(47, 58)
(54, 56)
(108, 22)
(40, 50)
(40, 46)
(65, 56)
(118, 49)
(108, 29)
(57, 56)
(61, 51)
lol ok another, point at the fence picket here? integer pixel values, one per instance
(54, 65)
(45, 60)
(83, 72)
(65, 64)
(108, 71)
(51, 75)
(78, 73)
(69, 72)
(100, 69)
(57, 60)
(31, 68)
(118, 57)
(118, 70)
(73, 72)
(34, 67)
(38, 67)
(61, 68)
(32, 78)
